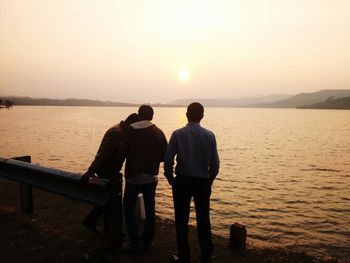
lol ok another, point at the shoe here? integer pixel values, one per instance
(176, 259)
(90, 226)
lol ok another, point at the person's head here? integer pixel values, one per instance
(145, 113)
(195, 112)
(133, 117)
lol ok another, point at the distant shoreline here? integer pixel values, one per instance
(28, 101)
(107, 106)
(324, 99)
(179, 106)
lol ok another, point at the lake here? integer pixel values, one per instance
(285, 173)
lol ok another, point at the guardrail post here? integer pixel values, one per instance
(26, 190)
(26, 199)
(238, 236)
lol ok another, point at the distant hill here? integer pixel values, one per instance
(304, 99)
(330, 103)
(241, 102)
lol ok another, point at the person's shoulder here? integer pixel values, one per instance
(207, 131)
(180, 132)
(155, 127)
(116, 129)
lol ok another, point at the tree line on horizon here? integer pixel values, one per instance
(73, 102)
(6, 104)
(62, 102)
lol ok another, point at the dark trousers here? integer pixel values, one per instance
(130, 198)
(184, 189)
(112, 211)
(95, 214)
(114, 186)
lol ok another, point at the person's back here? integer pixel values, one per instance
(146, 145)
(104, 165)
(195, 149)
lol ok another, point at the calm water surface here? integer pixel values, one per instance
(285, 173)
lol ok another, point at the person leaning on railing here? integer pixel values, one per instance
(105, 164)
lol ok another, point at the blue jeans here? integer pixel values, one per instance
(130, 198)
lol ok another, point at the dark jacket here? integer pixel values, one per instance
(144, 148)
(106, 159)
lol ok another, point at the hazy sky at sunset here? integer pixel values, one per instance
(160, 50)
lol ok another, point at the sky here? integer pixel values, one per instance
(159, 50)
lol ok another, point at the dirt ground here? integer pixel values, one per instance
(53, 233)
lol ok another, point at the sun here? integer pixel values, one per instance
(184, 74)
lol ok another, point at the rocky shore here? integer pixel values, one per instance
(53, 233)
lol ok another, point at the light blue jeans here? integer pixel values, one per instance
(130, 198)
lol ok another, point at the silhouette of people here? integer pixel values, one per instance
(105, 164)
(143, 147)
(197, 164)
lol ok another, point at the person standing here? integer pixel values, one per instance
(105, 166)
(143, 148)
(197, 166)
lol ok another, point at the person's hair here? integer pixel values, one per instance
(133, 117)
(145, 112)
(195, 112)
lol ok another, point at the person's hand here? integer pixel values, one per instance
(86, 176)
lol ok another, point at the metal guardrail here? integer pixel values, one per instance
(67, 184)
(53, 180)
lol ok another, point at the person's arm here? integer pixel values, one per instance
(169, 159)
(164, 145)
(214, 160)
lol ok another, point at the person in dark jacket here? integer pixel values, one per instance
(105, 164)
(143, 148)
(197, 165)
